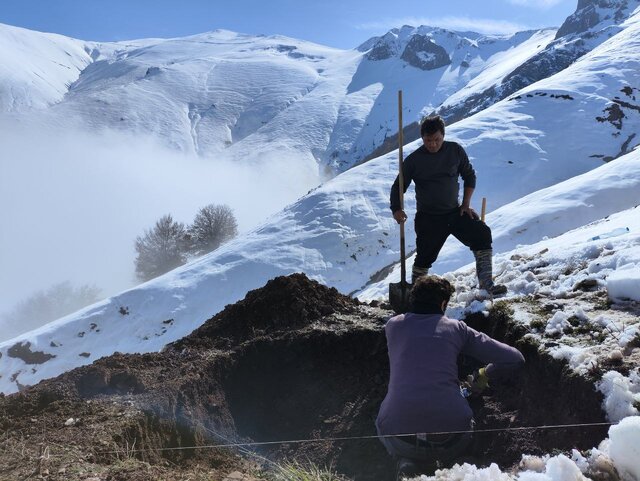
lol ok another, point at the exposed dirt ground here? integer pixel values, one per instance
(293, 360)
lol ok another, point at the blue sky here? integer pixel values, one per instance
(336, 23)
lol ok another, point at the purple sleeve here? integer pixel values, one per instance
(500, 357)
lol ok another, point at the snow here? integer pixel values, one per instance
(221, 90)
(558, 468)
(624, 448)
(624, 283)
(469, 472)
(37, 68)
(500, 65)
(620, 394)
(557, 323)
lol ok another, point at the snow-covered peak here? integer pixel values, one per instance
(36, 69)
(597, 14)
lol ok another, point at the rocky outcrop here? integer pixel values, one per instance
(423, 53)
(414, 46)
(381, 48)
(590, 13)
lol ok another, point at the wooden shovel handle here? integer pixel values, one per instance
(403, 268)
(484, 209)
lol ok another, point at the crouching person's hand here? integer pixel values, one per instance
(478, 381)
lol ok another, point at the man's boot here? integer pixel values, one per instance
(484, 270)
(417, 272)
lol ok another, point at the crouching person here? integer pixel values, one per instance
(424, 393)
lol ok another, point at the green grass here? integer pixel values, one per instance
(296, 471)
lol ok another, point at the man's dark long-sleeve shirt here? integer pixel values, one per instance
(436, 178)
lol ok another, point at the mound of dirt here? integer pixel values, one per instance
(292, 361)
(285, 303)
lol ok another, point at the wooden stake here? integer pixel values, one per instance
(484, 209)
(403, 269)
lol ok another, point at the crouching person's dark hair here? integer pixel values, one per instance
(431, 291)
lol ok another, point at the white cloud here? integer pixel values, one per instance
(480, 25)
(539, 4)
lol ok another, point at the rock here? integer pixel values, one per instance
(586, 285)
(616, 356)
(423, 53)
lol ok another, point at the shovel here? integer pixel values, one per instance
(399, 292)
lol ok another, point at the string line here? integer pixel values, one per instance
(350, 438)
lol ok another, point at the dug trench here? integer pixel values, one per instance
(293, 361)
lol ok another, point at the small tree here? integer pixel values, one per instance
(160, 249)
(213, 226)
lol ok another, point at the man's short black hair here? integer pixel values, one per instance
(431, 290)
(431, 125)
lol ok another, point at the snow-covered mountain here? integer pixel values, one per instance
(242, 94)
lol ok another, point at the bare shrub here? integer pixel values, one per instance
(160, 249)
(213, 226)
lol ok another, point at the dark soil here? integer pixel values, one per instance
(293, 360)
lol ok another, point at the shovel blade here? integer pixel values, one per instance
(399, 297)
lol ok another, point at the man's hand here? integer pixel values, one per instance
(479, 381)
(400, 216)
(465, 209)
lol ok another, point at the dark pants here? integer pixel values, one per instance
(430, 449)
(433, 230)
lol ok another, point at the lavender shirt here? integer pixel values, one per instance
(424, 391)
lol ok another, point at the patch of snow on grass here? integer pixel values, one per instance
(620, 394)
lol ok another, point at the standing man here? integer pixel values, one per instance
(435, 168)
(424, 393)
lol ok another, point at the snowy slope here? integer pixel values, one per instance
(37, 69)
(546, 213)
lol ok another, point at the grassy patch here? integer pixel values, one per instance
(296, 471)
(602, 302)
(538, 324)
